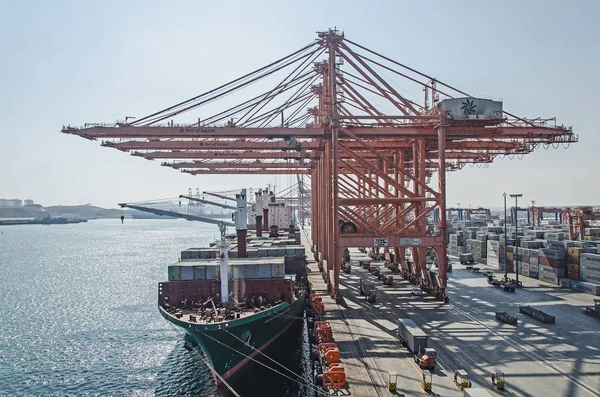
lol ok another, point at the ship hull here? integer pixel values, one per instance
(230, 346)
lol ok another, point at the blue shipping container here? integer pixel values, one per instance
(174, 273)
(199, 273)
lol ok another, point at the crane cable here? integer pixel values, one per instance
(219, 376)
(317, 391)
(263, 354)
(205, 361)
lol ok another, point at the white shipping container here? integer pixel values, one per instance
(277, 270)
(586, 287)
(585, 268)
(548, 277)
(589, 259)
(590, 277)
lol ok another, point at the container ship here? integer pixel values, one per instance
(239, 295)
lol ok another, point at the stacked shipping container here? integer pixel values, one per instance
(551, 260)
(209, 269)
(573, 256)
(590, 268)
(478, 248)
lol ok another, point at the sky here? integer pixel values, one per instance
(73, 62)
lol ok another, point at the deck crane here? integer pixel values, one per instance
(240, 217)
(175, 214)
(227, 207)
(219, 196)
(253, 210)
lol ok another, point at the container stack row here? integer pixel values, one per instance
(209, 269)
(544, 254)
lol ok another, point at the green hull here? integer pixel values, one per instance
(226, 344)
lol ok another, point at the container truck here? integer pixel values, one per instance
(416, 340)
(466, 258)
(367, 288)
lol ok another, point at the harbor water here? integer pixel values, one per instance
(78, 315)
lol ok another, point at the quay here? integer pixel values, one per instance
(538, 359)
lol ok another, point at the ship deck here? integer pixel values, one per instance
(561, 359)
(183, 314)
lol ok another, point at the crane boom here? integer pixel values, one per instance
(220, 196)
(229, 207)
(176, 214)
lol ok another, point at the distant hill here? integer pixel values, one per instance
(67, 211)
(83, 211)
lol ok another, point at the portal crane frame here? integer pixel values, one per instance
(370, 167)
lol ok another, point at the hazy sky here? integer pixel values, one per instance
(72, 62)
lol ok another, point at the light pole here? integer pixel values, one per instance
(516, 196)
(505, 242)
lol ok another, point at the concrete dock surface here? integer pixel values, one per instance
(538, 359)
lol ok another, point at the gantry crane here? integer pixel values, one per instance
(537, 214)
(370, 167)
(579, 218)
(514, 214)
(468, 212)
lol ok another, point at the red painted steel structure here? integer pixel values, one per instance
(370, 166)
(579, 218)
(477, 211)
(537, 214)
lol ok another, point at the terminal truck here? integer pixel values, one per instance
(416, 340)
(466, 258)
(367, 288)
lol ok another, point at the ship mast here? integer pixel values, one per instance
(224, 255)
(241, 226)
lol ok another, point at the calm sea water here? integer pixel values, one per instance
(78, 315)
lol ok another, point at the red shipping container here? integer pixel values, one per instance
(510, 248)
(573, 275)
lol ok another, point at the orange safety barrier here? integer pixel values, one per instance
(335, 378)
(323, 332)
(336, 367)
(316, 302)
(318, 308)
(329, 353)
